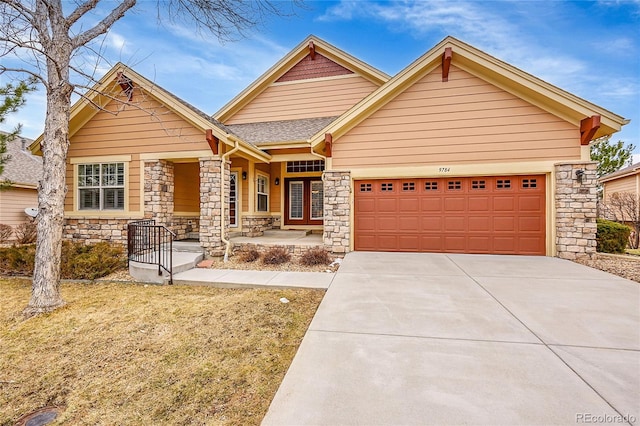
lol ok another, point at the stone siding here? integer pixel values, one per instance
(337, 211)
(576, 210)
(183, 226)
(254, 226)
(294, 250)
(158, 191)
(210, 207)
(96, 230)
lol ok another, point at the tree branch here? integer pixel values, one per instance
(80, 11)
(103, 26)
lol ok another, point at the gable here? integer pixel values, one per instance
(463, 120)
(314, 66)
(302, 99)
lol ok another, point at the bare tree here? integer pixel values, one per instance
(624, 207)
(46, 36)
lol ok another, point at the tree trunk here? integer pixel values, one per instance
(45, 290)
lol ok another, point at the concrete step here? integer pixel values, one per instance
(278, 233)
(148, 273)
(187, 246)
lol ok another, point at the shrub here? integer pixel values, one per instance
(5, 232)
(612, 237)
(249, 255)
(315, 256)
(26, 232)
(276, 256)
(17, 260)
(79, 261)
(88, 262)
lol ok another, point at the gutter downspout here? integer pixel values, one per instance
(224, 158)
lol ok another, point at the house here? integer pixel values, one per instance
(459, 152)
(621, 194)
(24, 171)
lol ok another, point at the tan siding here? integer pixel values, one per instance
(465, 120)
(13, 202)
(186, 196)
(135, 130)
(274, 196)
(627, 184)
(305, 99)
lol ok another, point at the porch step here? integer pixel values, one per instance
(182, 261)
(187, 247)
(288, 233)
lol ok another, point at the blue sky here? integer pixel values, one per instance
(591, 49)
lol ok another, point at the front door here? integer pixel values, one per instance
(233, 200)
(303, 201)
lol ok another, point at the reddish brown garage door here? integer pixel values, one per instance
(501, 215)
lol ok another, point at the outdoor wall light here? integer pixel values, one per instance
(244, 175)
(579, 175)
(277, 181)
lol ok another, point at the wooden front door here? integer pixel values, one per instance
(303, 201)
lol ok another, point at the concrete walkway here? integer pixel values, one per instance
(415, 339)
(231, 278)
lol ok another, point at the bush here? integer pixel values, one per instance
(276, 256)
(17, 260)
(26, 232)
(612, 237)
(5, 232)
(79, 261)
(315, 256)
(249, 255)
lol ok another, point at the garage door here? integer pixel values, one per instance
(500, 215)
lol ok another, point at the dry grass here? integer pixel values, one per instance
(133, 354)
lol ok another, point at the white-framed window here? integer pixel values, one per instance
(101, 186)
(262, 188)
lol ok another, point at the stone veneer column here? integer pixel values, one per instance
(210, 207)
(576, 210)
(337, 210)
(158, 191)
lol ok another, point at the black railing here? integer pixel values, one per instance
(152, 244)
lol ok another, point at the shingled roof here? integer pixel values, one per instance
(260, 134)
(24, 168)
(622, 172)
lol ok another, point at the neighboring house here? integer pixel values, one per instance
(621, 194)
(24, 171)
(459, 152)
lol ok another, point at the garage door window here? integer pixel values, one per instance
(454, 185)
(529, 183)
(431, 186)
(478, 184)
(387, 187)
(408, 186)
(365, 187)
(503, 183)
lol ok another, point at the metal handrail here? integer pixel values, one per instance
(152, 244)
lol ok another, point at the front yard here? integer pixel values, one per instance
(135, 354)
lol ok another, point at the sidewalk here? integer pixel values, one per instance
(231, 278)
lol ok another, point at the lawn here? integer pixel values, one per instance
(137, 354)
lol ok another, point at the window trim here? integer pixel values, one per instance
(258, 193)
(100, 187)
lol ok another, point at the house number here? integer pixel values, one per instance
(444, 169)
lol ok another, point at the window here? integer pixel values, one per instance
(101, 186)
(529, 183)
(478, 184)
(503, 183)
(386, 187)
(431, 186)
(262, 188)
(454, 184)
(408, 186)
(365, 187)
(305, 166)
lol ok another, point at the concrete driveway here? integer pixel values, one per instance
(415, 339)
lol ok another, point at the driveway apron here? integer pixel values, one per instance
(417, 338)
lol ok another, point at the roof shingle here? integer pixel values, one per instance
(280, 131)
(23, 168)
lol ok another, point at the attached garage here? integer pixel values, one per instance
(498, 215)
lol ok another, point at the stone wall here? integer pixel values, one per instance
(183, 226)
(254, 226)
(96, 230)
(210, 207)
(337, 210)
(158, 191)
(294, 250)
(576, 210)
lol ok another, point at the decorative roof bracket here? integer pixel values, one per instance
(126, 84)
(446, 63)
(214, 142)
(588, 128)
(312, 50)
(328, 142)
